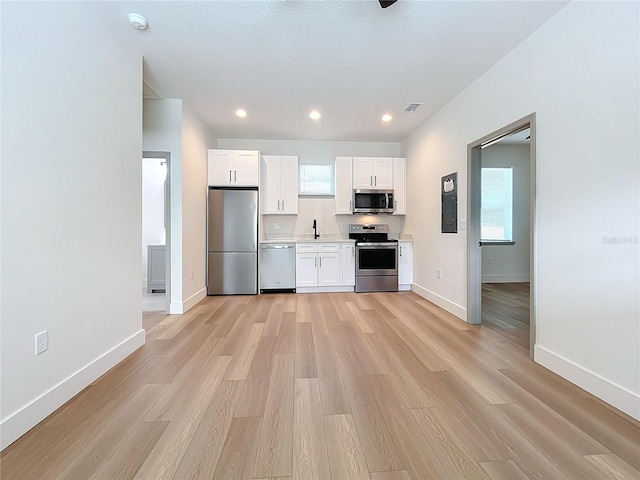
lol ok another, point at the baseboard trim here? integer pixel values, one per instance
(507, 278)
(20, 422)
(613, 394)
(442, 302)
(193, 300)
(178, 308)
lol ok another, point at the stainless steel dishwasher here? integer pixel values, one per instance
(277, 267)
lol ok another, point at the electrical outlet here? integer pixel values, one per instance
(439, 273)
(276, 226)
(42, 342)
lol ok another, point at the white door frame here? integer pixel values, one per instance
(474, 256)
(166, 156)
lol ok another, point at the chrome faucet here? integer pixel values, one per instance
(315, 230)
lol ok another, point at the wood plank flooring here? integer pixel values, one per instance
(505, 310)
(329, 386)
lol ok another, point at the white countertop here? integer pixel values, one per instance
(300, 239)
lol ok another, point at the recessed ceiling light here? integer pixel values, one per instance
(137, 21)
(386, 117)
(315, 115)
(241, 113)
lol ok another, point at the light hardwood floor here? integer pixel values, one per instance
(505, 309)
(380, 386)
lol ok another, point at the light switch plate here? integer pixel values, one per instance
(463, 224)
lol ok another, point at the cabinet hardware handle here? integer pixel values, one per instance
(353, 252)
(400, 251)
(375, 180)
(278, 205)
(283, 205)
(395, 204)
(315, 262)
(235, 175)
(229, 176)
(371, 180)
(320, 262)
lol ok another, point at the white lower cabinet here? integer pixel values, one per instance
(405, 265)
(348, 261)
(319, 268)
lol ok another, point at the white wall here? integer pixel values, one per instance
(579, 73)
(320, 208)
(196, 138)
(510, 263)
(154, 172)
(71, 211)
(170, 126)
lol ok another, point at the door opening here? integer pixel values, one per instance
(500, 229)
(156, 229)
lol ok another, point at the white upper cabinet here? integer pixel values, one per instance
(372, 172)
(344, 185)
(240, 168)
(399, 186)
(280, 185)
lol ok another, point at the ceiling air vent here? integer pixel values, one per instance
(412, 107)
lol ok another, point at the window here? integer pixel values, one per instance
(316, 179)
(496, 211)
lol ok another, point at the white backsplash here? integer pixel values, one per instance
(329, 225)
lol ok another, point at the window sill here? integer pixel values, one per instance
(487, 243)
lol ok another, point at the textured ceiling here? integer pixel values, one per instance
(351, 60)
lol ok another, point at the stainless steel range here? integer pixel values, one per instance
(376, 258)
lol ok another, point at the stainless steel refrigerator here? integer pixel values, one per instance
(232, 239)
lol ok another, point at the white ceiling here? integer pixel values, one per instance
(351, 60)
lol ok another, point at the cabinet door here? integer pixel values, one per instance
(399, 186)
(405, 263)
(272, 184)
(246, 168)
(219, 167)
(289, 186)
(306, 270)
(328, 269)
(348, 262)
(344, 185)
(362, 172)
(382, 173)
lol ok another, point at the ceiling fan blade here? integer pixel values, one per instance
(387, 3)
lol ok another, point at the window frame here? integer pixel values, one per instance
(506, 205)
(317, 193)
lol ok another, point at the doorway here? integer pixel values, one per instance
(156, 285)
(502, 240)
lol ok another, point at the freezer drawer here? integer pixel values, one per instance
(232, 273)
(278, 267)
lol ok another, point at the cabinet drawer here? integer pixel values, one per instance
(328, 247)
(306, 247)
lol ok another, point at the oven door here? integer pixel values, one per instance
(374, 259)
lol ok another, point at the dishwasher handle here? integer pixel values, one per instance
(276, 246)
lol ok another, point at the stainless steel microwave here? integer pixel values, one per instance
(373, 201)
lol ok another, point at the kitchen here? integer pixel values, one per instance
(307, 239)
